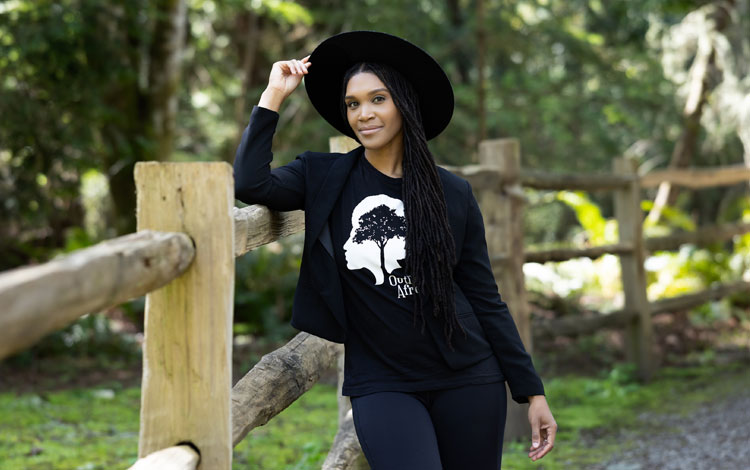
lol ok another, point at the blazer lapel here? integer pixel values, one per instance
(322, 205)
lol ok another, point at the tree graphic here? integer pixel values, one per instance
(380, 225)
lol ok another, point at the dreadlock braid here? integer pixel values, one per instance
(430, 248)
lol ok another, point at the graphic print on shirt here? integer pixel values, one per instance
(377, 241)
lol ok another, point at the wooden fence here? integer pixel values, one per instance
(182, 259)
(632, 248)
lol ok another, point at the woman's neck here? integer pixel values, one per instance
(388, 160)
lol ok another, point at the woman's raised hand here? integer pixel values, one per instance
(285, 76)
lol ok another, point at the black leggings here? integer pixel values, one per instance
(452, 429)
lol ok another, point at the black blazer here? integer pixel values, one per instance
(312, 182)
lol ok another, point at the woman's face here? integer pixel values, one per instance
(371, 112)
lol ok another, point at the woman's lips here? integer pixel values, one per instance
(369, 131)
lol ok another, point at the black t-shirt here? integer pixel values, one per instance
(386, 349)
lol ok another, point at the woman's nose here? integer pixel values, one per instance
(365, 112)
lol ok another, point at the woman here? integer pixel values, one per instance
(395, 260)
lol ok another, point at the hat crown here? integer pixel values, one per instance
(337, 54)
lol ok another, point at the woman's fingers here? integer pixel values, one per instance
(297, 67)
(302, 65)
(548, 442)
(286, 75)
(543, 429)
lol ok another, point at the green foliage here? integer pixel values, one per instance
(599, 230)
(75, 429)
(577, 81)
(265, 281)
(90, 337)
(289, 13)
(672, 218)
(97, 429)
(605, 405)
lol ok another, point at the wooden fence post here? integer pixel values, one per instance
(344, 144)
(502, 209)
(187, 370)
(630, 228)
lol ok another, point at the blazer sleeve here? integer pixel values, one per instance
(282, 188)
(474, 276)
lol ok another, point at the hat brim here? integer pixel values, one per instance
(335, 55)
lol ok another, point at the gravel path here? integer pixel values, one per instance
(714, 437)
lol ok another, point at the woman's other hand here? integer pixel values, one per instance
(543, 427)
(285, 76)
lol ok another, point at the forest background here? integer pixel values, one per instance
(89, 88)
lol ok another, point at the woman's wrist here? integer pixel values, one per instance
(533, 398)
(271, 99)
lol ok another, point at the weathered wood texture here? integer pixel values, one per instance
(346, 451)
(171, 458)
(503, 227)
(574, 181)
(697, 178)
(562, 254)
(342, 144)
(479, 176)
(344, 402)
(578, 325)
(630, 228)
(502, 215)
(686, 301)
(38, 300)
(188, 329)
(702, 236)
(277, 380)
(257, 225)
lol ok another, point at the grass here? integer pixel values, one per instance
(593, 410)
(97, 428)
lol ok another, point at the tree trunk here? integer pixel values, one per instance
(481, 55)
(461, 55)
(698, 90)
(150, 106)
(164, 74)
(250, 24)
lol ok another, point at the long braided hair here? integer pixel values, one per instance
(430, 248)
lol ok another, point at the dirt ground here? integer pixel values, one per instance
(708, 435)
(712, 438)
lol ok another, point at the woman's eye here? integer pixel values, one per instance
(349, 104)
(379, 97)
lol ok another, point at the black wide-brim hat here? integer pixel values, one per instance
(335, 55)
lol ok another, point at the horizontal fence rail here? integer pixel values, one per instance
(577, 325)
(698, 178)
(686, 301)
(38, 300)
(588, 182)
(563, 254)
(480, 176)
(701, 236)
(181, 457)
(277, 380)
(582, 325)
(256, 225)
